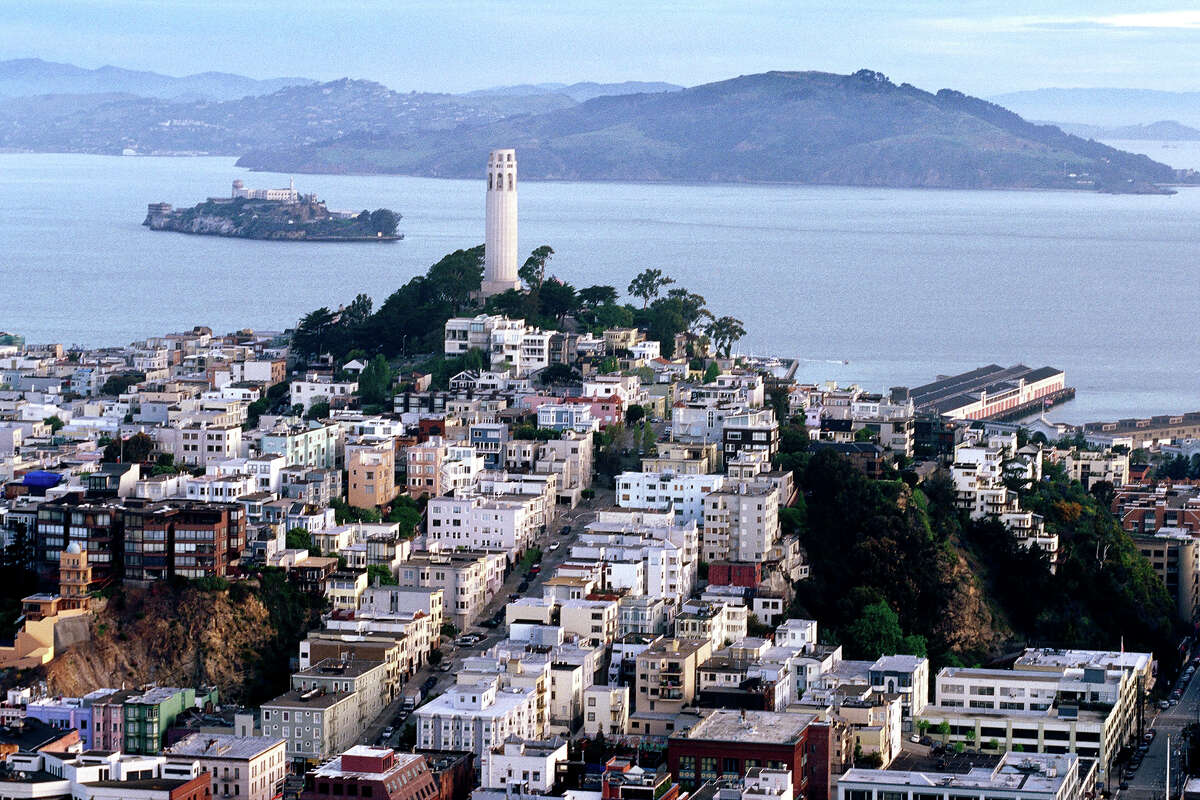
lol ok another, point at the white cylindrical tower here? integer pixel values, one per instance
(500, 241)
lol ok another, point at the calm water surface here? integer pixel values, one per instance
(902, 284)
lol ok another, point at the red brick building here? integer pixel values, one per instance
(375, 772)
(727, 743)
(453, 771)
(735, 573)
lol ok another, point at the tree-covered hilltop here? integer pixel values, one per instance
(411, 321)
(246, 218)
(895, 565)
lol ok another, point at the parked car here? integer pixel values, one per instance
(445, 666)
(915, 739)
(554, 547)
(1150, 734)
(1163, 704)
(523, 586)
(514, 596)
(388, 731)
(428, 684)
(565, 530)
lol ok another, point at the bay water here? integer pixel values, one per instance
(882, 287)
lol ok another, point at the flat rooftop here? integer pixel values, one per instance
(1040, 773)
(1041, 657)
(294, 699)
(333, 667)
(218, 745)
(756, 727)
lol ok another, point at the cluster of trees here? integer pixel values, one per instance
(892, 564)
(17, 578)
(1102, 587)
(119, 383)
(882, 572)
(1179, 468)
(404, 510)
(412, 319)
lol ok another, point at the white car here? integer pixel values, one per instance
(554, 547)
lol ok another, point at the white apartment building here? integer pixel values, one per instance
(469, 580)
(667, 491)
(717, 623)
(542, 490)
(507, 523)
(218, 488)
(199, 446)
(477, 716)
(1090, 467)
(979, 471)
(320, 388)
(1091, 711)
(647, 350)
(303, 444)
(470, 333)
(797, 633)
(461, 467)
(567, 417)
(523, 766)
(606, 710)
(626, 387)
(267, 470)
(741, 523)
(643, 552)
(644, 614)
(905, 675)
(701, 421)
(593, 621)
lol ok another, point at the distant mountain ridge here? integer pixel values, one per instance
(580, 92)
(290, 117)
(32, 76)
(1104, 107)
(1162, 131)
(796, 127)
(802, 127)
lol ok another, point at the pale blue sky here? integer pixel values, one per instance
(456, 45)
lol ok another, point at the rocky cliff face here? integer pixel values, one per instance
(181, 637)
(967, 624)
(207, 224)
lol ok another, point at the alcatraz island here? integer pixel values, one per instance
(274, 214)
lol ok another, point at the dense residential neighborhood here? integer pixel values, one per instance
(549, 544)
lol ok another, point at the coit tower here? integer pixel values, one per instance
(500, 241)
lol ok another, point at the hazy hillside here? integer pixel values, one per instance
(1164, 131)
(33, 76)
(807, 127)
(290, 117)
(580, 92)
(1104, 107)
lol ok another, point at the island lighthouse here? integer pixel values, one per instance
(500, 241)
